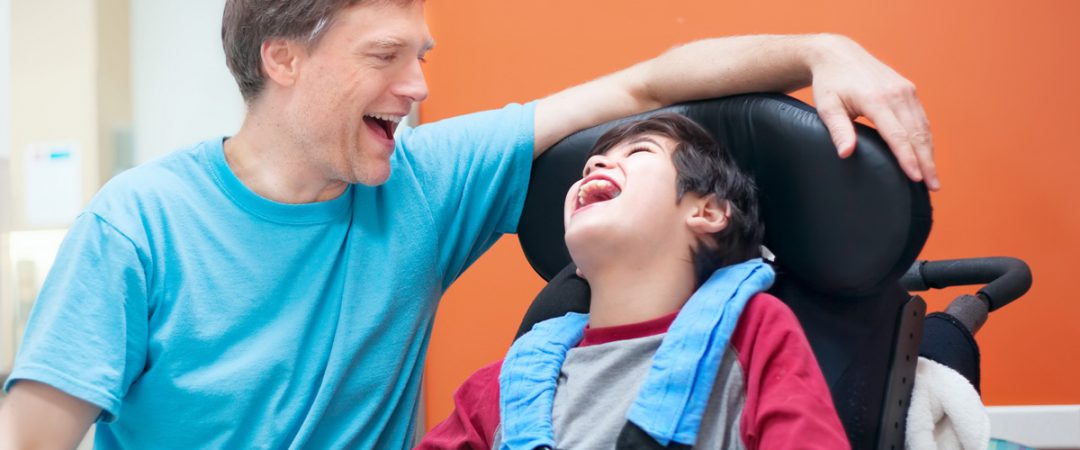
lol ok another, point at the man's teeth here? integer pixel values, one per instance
(386, 117)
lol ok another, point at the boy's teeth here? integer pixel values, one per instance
(596, 184)
(599, 185)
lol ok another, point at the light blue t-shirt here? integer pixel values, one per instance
(198, 314)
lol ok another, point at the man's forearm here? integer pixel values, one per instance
(702, 69)
(732, 65)
(848, 83)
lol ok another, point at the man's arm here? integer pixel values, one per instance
(848, 82)
(36, 415)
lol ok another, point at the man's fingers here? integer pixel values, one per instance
(899, 141)
(922, 140)
(838, 122)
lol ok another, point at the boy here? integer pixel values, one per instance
(660, 208)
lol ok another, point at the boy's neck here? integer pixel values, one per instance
(625, 295)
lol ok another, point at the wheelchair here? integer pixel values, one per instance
(844, 236)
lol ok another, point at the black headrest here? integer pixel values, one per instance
(843, 227)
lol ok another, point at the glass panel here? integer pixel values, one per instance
(31, 256)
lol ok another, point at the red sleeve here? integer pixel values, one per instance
(788, 404)
(476, 414)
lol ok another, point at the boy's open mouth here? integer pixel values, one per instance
(595, 191)
(383, 125)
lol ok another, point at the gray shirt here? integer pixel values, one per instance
(598, 383)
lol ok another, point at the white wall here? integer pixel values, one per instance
(53, 100)
(5, 85)
(181, 90)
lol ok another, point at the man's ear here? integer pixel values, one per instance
(281, 60)
(710, 215)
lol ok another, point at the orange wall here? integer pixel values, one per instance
(998, 80)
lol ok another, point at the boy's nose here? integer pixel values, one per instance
(597, 162)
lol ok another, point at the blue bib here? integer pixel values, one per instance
(671, 401)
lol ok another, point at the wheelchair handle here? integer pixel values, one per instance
(1006, 278)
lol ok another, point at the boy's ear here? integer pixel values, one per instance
(281, 60)
(710, 215)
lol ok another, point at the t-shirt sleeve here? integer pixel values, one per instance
(475, 418)
(87, 331)
(788, 404)
(473, 172)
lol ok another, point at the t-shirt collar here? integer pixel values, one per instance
(295, 214)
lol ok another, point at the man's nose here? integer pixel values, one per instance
(412, 83)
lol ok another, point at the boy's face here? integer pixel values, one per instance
(625, 204)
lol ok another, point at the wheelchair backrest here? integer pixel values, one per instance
(842, 232)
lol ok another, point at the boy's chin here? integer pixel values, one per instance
(592, 244)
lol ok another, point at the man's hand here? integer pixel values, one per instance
(848, 82)
(36, 415)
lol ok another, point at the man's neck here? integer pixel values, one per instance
(628, 294)
(270, 163)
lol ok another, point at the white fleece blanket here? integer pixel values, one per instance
(946, 411)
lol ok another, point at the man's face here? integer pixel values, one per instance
(353, 87)
(625, 204)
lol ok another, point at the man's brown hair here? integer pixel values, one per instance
(246, 24)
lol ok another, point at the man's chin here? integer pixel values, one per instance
(372, 178)
(372, 182)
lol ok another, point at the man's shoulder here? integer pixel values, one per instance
(470, 135)
(154, 188)
(171, 173)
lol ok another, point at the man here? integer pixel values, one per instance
(277, 288)
(661, 209)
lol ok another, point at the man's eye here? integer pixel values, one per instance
(386, 57)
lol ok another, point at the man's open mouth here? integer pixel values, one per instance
(595, 191)
(383, 125)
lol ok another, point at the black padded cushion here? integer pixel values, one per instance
(843, 227)
(564, 293)
(949, 342)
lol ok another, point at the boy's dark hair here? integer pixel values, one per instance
(704, 167)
